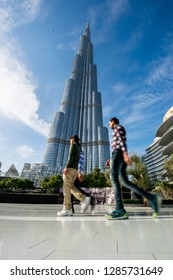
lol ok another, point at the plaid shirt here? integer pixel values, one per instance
(119, 138)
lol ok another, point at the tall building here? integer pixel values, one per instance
(161, 149)
(12, 172)
(80, 113)
(25, 170)
(155, 160)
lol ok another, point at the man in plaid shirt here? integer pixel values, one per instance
(118, 164)
(119, 138)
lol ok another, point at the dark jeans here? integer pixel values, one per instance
(119, 177)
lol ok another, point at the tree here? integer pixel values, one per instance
(139, 173)
(96, 179)
(53, 184)
(16, 184)
(165, 188)
(168, 165)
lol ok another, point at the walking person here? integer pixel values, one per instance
(69, 176)
(118, 164)
(79, 182)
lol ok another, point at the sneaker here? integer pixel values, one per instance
(117, 215)
(119, 210)
(156, 204)
(85, 204)
(65, 212)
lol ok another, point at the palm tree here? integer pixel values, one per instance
(139, 173)
(169, 168)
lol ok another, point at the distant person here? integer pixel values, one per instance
(69, 176)
(118, 164)
(79, 182)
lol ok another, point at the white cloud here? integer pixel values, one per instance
(161, 69)
(15, 13)
(144, 105)
(134, 117)
(134, 39)
(25, 151)
(115, 9)
(107, 111)
(18, 100)
(154, 94)
(119, 88)
(69, 46)
(141, 103)
(106, 14)
(18, 90)
(60, 46)
(145, 100)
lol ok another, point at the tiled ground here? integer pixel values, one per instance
(32, 231)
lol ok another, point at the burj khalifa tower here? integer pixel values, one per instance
(80, 113)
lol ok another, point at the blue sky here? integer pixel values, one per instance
(133, 51)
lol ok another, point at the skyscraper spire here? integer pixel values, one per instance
(87, 30)
(80, 113)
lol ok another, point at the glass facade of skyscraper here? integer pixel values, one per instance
(80, 113)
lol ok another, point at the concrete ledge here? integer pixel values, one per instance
(44, 198)
(33, 198)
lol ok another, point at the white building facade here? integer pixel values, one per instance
(161, 149)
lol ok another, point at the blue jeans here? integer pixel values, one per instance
(119, 177)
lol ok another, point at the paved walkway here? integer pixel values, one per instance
(32, 231)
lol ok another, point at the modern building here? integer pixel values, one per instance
(154, 160)
(80, 113)
(165, 132)
(36, 173)
(26, 170)
(160, 149)
(12, 172)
